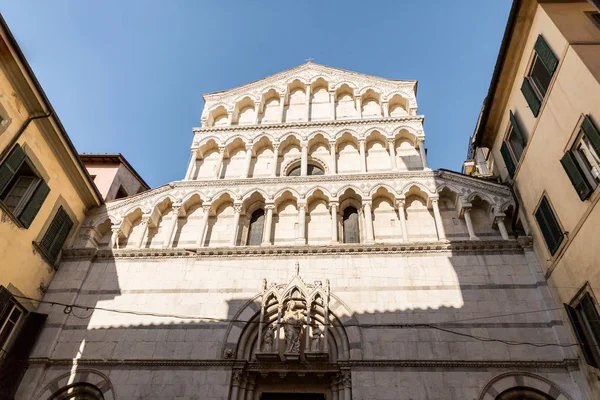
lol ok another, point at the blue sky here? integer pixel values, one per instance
(128, 76)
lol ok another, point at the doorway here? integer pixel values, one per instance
(292, 396)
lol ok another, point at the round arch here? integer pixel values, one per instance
(84, 377)
(521, 379)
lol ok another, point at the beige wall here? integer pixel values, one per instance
(20, 266)
(105, 176)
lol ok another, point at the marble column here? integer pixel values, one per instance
(386, 109)
(307, 112)
(423, 153)
(268, 225)
(301, 223)
(192, 166)
(347, 382)
(281, 107)
(332, 104)
(334, 222)
(368, 221)
(275, 160)
(175, 208)
(334, 389)
(236, 381)
(220, 162)
(400, 204)
(247, 161)
(392, 148)
(278, 328)
(144, 235)
(470, 229)
(333, 157)
(439, 223)
(363, 156)
(358, 101)
(502, 227)
(236, 222)
(304, 159)
(250, 385)
(203, 224)
(257, 112)
(230, 117)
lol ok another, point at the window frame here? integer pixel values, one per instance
(513, 129)
(37, 244)
(594, 16)
(533, 81)
(552, 250)
(574, 310)
(530, 89)
(4, 320)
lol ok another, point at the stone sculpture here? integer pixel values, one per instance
(316, 337)
(267, 339)
(293, 328)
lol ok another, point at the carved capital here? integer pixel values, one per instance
(237, 207)
(400, 203)
(269, 206)
(346, 379)
(237, 377)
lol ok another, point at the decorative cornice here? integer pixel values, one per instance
(463, 246)
(325, 367)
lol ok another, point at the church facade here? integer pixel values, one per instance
(309, 253)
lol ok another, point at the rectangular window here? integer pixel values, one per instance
(56, 235)
(586, 325)
(551, 230)
(22, 190)
(11, 314)
(537, 81)
(513, 146)
(595, 17)
(582, 161)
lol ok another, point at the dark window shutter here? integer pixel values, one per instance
(545, 54)
(589, 309)
(531, 97)
(34, 204)
(578, 179)
(10, 166)
(516, 129)
(508, 161)
(589, 129)
(549, 226)
(57, 234)
(5, 303)
(580, 335)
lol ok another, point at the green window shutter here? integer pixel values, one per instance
(517, 129)
(5, 303)
(10, 166)
(508, 161)
(532, 99)
(57, 234)
(546, 54)
(578, 179)
(589, 309)
(580, 335)
(589, 129)
(549, 226)
(34, 204)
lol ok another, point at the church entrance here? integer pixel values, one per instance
(292, 396)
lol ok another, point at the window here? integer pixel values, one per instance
(536, 83)
(512, 148)
(79, 391)
(121, 193)
(257, 223)
(523, 393)
(11, 314)
(551, 230)
(56, 235)
(350, 225)
(582, 161)
(310, 170)
(595, 17)
(586, 325)
(22, 190)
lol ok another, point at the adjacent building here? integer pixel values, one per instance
(114, 177)
(309, 252)
(45, 192)
(539, 132)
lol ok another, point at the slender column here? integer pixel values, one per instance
(333, 155)
(423, 154)
(144, 235)
(347, 385)
(308, 329)
(400, 205)
(363, 156)
(242, 391)
(268, 225)
(332, 104)
(502, 227)
(326, 323)
(307, 112)
(467, 215)
(236, 222)
(439, 223)
(334, 222)
(257, 109)
(358, 102)
(192, 166)
(230, 116)
(281, 106)
(173, 224)
(278, 333)
(392, 148)
(368, 221)
(386, 109)
(114, 238)
(260, 325)
(220, 162)
(275, 159)
(250, 385)
(301, 223)
(203, 224)
(340, 388)
(334, 389)
(304, 160)
(236, 381)
(247, 161)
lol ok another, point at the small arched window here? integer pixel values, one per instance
(257, 224)
(523, 393)
(79, 391)
(311, 170)
(350, 225)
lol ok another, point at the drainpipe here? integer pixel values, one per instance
(20, 132)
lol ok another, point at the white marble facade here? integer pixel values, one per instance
(309, 249)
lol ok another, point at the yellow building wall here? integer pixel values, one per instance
(19, 265)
